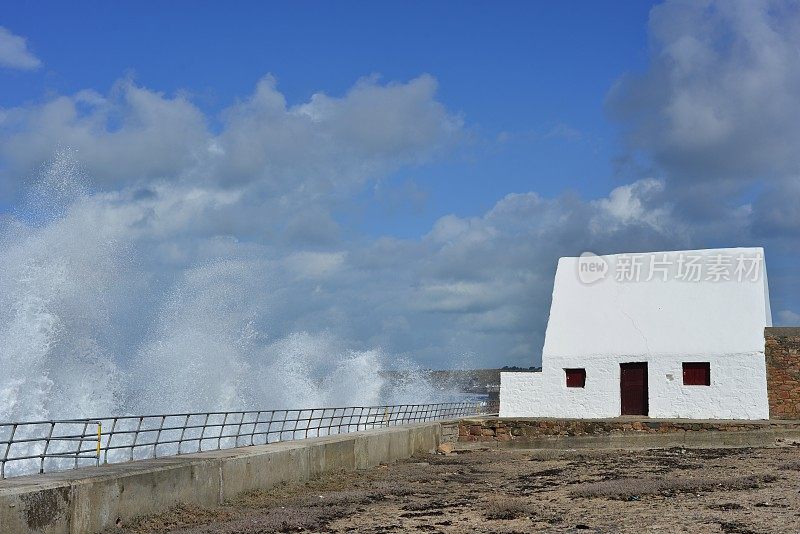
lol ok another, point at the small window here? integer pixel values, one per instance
(696, 374)
(576, 378)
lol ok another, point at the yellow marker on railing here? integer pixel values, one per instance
(99, 433)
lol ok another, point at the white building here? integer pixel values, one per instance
(668, 334)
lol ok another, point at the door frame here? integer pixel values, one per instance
(646, 387)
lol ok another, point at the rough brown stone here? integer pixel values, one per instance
(521, 430)
(445, 448)
(782, 348)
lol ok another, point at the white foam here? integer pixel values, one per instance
(87, 329)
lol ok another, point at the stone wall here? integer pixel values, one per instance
(450, 431)
(525, 430)
(782, 354)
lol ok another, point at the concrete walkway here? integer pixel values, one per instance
(94, 498)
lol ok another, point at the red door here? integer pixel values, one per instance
(633, 388)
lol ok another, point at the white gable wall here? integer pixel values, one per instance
(655, 317)
(663, 323)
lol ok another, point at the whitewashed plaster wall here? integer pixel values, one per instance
(663, 323)
(737, 391)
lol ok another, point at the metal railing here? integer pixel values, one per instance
(45, 446)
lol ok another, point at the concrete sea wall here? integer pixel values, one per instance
(95, 498)
(92, 499)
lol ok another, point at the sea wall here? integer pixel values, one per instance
(96, 498)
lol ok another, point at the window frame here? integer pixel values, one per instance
(692, 370)
(575, 377)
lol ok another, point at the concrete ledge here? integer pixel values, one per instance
(625, 432)
(91, 499)
(708, 439)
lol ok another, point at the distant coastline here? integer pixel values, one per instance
(469, 381)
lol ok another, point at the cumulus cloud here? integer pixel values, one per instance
(720, 99)
(788, 318)
(339, 142)
(716, 117)
(472, 287)
(130, 135)
(14, 53)
(308, 153)
(476, 286)
(777, 211)
(324, 148)
(639, 202)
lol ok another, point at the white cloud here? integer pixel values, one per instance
(131, 135)
(459, 296)
(638, 203)
(777, 211)
(721, 97)
(14, 53)
(334, 143)
(265, 191)
(716, 117)
(483, 283)
(315, 151)
(788, 318)
(476, 285)
(314, 265)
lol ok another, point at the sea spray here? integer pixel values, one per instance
(99, 317)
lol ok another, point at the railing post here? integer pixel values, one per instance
(158, 434)
(136, 436)
(239, 430)
(202, 433)
(47, 446)
(221, 430)
(80, 443)
(362, 419)
(99, 438)
(183, 431)
(108, 441)
(269, 426)
(8, 448)
(255, 424)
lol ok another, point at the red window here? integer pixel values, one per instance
(696, 374)
(576, 378)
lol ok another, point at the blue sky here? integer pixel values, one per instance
(396, 177)
(530, 78)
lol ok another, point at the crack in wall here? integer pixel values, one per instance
(633, 322)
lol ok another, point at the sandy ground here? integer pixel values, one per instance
(671, 490)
